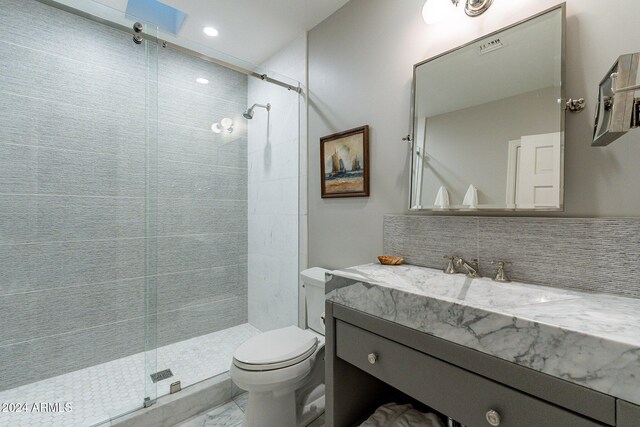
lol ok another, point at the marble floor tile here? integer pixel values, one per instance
(241, 400)
(227, 415)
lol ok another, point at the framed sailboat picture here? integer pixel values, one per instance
(344, 159)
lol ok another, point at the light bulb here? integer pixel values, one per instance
(435, 11)
(216, 128)
(210, 31)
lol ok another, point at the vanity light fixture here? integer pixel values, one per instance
(210, 31)
(437, 10)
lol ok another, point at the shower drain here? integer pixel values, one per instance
(161, 375)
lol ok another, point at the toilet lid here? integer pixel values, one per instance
(281, 347)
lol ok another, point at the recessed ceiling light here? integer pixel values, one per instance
(210, 31)
(202, 81)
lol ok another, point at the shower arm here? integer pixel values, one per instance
(267, 107)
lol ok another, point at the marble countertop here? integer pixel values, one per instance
(588, 339)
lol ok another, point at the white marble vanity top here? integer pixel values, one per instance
(588, 339)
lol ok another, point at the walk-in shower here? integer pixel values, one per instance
(130, 233)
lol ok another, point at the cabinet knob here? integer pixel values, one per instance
(372, 358)
(493, 418)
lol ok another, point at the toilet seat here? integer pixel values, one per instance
(276, 349)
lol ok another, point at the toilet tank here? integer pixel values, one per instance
(313, 281)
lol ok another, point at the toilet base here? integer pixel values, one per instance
(266, 409)
(311, 412)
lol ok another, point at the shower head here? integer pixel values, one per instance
(249, 113)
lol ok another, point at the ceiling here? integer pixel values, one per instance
(250, 30)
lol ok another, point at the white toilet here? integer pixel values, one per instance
(283, 369)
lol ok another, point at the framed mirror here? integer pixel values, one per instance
(488, 121)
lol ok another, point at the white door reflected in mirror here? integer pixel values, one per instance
(539, 171)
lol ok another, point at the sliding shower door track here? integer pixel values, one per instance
(167, 44)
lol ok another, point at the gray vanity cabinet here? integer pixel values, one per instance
(628, 414)
(371, 361)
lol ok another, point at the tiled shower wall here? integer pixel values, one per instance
(73, 195)
(590, 254)
(274, 189)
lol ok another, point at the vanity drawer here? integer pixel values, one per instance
(453, 391)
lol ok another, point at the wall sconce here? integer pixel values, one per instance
(437, 10)
(225, 124)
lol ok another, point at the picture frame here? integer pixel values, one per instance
(344, 163)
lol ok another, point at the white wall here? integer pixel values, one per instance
(274, 181)
(360, 70)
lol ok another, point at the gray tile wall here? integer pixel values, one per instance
(73, 187)
(590, 254)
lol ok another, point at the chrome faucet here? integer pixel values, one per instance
(470, 267)
(501, 275)
(451, 268)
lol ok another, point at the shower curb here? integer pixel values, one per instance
(175, 408)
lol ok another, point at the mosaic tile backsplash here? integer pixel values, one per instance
(589, 254)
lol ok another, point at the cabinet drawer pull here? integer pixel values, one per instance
(372, 358)
(493, 418)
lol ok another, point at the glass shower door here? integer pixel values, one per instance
(78, 118)
(227, 212)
